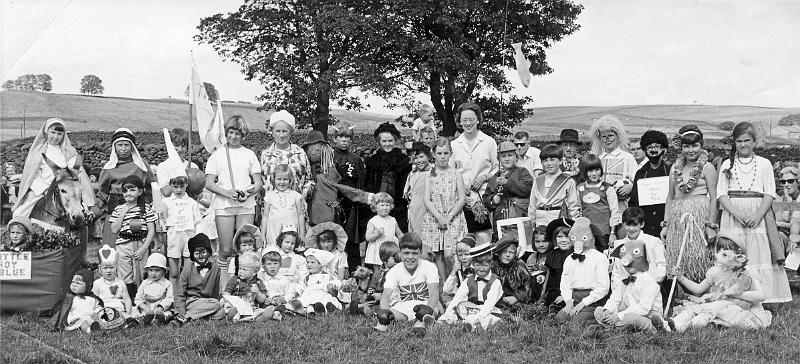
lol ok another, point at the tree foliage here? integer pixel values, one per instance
(30, 82)
(726, 125)
(789, 120)
(92, 85)
(305, 53)
(211, 91)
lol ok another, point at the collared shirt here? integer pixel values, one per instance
(155, 293)
(182, 213)
(531, 161)
(476, 158)
(656, 258)
(277, 285)
(201, 271)
(638, 297)
(591, 274)
(489, 301)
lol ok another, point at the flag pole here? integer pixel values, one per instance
(191, 104)
(189, 152)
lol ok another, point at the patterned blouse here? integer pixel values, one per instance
(297, 160)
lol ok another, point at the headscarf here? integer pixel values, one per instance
(34, 158)
(127, 135)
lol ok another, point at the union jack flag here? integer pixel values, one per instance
(414, 292)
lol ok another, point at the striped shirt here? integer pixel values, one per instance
(125, 235)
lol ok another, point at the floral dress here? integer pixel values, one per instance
(444, 195)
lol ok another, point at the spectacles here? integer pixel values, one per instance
(607, 138)
(520, 144)
(654, 148)
(787, 181)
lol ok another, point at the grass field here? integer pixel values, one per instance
(109, 113)
(26, 339)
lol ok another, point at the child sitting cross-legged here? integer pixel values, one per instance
(155, 295)
(512, 273)
(636, 303)
(245, 295)
(318, 294)
(729, 296)
(197, 294)
(411, 290)
(474, 302)
(584, 281)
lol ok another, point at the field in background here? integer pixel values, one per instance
(108, 113)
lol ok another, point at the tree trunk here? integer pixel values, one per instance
(449, 101)
(322, 109)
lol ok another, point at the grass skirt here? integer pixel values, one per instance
(697, 257)
(759, 259)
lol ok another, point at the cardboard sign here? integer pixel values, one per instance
(653, 191)
(15, 265)
(522, 227)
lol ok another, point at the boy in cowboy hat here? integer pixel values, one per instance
(508, 192)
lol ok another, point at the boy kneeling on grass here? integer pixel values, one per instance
(197, 295)
(416, 283)
(474, 302)
(636, 303)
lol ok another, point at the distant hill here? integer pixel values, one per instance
(109, 113)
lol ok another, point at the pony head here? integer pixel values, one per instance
(69, 190)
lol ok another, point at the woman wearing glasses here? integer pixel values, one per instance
(789, 221)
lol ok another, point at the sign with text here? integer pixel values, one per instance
(15, 265)
(653, 191)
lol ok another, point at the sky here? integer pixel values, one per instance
(627, 52)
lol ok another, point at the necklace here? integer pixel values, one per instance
(742, 164)
(739, 169)
(694, 175)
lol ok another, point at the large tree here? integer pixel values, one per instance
(92, 85)
(458, 50)
(306, 53)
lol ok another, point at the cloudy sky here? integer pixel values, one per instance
(627, 51)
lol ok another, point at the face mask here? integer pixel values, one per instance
(655, 159)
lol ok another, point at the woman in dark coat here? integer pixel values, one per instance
(387, 170)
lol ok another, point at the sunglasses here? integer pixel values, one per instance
(520, 144)
(787, 181)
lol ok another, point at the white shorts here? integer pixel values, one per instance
(178, 243)
(407, 308)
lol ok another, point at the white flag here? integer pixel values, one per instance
(215, 135)
(523, 65)
(202, 105)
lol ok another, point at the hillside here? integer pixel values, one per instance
(108, 113)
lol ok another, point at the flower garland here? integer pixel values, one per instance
(41, 239)
(694, 175)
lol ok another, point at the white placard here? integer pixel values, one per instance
(793, 260)
(519, 224)
(653, 191)
(15, 265)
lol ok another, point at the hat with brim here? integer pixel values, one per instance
(479, 250)
(568, 136)
(311, 235)
(555, 224)
(252, 229)
(506, 147)
(156, 260)
(732, 237)
(504, 243)
(314, 137)
(387, 128)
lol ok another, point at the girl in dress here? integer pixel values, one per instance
(233, 174)
(380, 228)
(692, 180)
(745, 190)
(598, 199)
(282, 206)
(444, 223)
(415, 185)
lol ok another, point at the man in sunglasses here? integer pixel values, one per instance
(527, 155)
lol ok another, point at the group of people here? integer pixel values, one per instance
(411, 233)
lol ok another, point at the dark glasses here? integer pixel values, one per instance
(787, 181)
(520, 144)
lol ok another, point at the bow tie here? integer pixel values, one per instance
(629, 280)
(468, 271)
(578, 257)
(203, 266)
(479, 279)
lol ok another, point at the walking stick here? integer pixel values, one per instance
(680, 257)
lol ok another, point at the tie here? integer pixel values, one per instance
(578, 257)
(200, 267)
(479, 279)
(629, 280)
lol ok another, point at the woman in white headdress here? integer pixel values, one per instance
(52, 141)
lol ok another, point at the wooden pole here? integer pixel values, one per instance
(678, 263)
(189, 151)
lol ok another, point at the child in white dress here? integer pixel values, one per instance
(380, 228)
(283, 206)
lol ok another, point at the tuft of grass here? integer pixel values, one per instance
(334, 338)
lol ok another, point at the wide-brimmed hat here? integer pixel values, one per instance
(479, 250)
(555, 224)
(568, 136)
(387, 128)
(252, 229)
(506, 147)
(311, 235)
(314, 137)
(504, 243)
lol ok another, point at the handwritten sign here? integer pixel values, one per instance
(15, 265)
(653, 191)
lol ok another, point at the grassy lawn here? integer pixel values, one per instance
(334, 339)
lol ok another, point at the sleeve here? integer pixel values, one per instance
(140, 294)
(612, 305)
(657, 258)
(631, 166)
(149, 214)
(230, 287)
(114, 215)
(533, 203)
(180, 293)
(103, 189)
(308, 179)
(492, 297)
(602, 282)
(431, 273)
(566, 280)
(460, 296)
(616, 215)
(572, 199)
(647, 297)
(212, 164)
(634, 195)
(449, 285)
(96, 287)
(537, 160)
(198, 217)
(491, 190)
(769, 178)
(87, 192)
(255, 166)
(722, 182)
(524, 183)
(390, 280)
(166, 302)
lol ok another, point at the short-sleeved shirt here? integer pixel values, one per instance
(237, 287)
(182, 213)
(244, 163)
(411, 287)
(125, 235)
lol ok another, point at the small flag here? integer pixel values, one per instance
(523, 65)
(202, 105)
